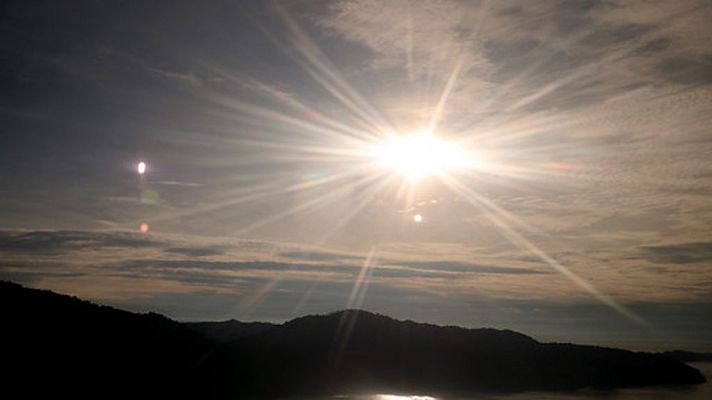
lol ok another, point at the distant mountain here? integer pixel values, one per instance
(230, 330)
(359, 351)
(55, 345)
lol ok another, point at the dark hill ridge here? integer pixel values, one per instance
(60, 345)
(353, 350)
(227, 331)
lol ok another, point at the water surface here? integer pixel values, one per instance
(691, 392)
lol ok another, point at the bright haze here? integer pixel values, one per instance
(539, 166)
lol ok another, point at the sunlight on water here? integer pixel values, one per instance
(691, 392)
(396, 397)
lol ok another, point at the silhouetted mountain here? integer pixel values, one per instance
(59, 345)
(227, 331)
(62, 346)
(688, 356)
(360, 351)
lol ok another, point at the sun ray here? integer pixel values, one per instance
(365, 200)
(449, 86)
(491, 211)
(507, 87)
(348, 319)
(310, 204)
(306, 296)
(261, 116)
(256, 193)
(258, 297)
(317, 64)
(293, 102)
(358, 292)
(405, 194)
(409, 44)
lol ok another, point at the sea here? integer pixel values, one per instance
(688, 392)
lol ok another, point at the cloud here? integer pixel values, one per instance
(288, 270)
(215, 264)
(177, 183)
(209, 278)
(682, 253)
(58, 242)
(319, 256)
(227, 265)
(64, 240)
(197, 251)
(654, 46)
(687, 69)
(28, 277)
(557, 54)
(194, 279)
(188, 77)
(421, 36)
(455, 266)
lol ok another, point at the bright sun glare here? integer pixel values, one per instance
(420, 155)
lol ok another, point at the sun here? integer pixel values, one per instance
(420, 155)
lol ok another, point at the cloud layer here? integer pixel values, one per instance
(209, 278)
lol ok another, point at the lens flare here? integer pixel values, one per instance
(141, 168)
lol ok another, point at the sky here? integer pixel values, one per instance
(564, 188)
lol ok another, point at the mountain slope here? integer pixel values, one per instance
(55, 344)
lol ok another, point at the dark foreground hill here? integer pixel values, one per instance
(62, 346)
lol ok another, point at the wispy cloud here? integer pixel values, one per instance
(64, 241)
(678, 253)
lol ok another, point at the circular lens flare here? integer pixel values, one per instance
(141, 168)
(418, 218)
